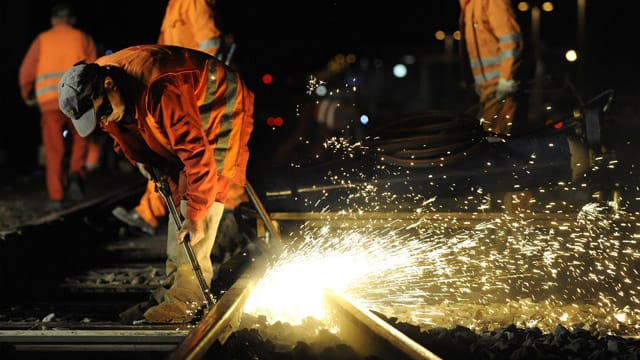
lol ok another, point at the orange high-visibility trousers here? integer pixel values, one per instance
(54, 123)
(497, 115)
(95, 143)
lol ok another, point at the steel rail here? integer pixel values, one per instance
(361, 329)
(448, 219)
(223, 318)
(369, 334)
(131, 339)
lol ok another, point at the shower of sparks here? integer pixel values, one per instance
(343, 147)
(423, 273)
(312, 84)
(323, 261)
(449, 269)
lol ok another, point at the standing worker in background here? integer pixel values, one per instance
(171, 108)
(493, 43)
(190, 24)
(51, 53)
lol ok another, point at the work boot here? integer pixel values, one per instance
(183, 301)
(134, 219)
(136, 312)
(53, 205)
(76, 188)
(179, 306)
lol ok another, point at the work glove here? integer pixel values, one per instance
(506, 87)
(30, 101)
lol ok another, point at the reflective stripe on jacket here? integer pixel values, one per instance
(190, 23)
(190, 110)
(492, 37)
(52, 53)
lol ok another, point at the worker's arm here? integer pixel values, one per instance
(176, 111)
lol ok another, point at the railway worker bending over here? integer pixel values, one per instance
(171, 108)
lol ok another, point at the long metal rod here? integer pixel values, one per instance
(359, 326)
(262, 211)
(162, 186)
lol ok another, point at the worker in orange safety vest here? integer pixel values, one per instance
(190, 24)
(171, 108)
(493, 44)
(50, 54)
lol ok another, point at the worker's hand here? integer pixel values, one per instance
(31, 102)
(506, 87)
(195, 229)
(144, 170)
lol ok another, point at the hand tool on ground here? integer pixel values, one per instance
(162, 186)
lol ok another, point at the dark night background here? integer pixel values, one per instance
(293, 39)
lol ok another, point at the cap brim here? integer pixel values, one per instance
(86, 123)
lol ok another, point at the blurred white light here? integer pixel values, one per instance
(321, 90)
(571, 55)
(399, 70)
(364, 119)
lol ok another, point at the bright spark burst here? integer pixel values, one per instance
(447, 271)
(425, 275)
(313, 83)
(293, 288)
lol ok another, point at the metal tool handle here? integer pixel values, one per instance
(162, 186)
(268, 222)
(232, 49)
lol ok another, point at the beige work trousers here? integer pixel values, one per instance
(180, 275)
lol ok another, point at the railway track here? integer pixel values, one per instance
(65, 300)
(66, 276)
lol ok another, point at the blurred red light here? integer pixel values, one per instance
(267, 79)
(275, 121)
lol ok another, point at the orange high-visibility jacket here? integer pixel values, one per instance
(493, 39)
(52, 53)
(187, 107)
(191, 24)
